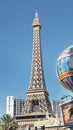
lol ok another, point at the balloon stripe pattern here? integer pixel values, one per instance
(64, 68)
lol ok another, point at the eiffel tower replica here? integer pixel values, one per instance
(37, 105)
(37, 96)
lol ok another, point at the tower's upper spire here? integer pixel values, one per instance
(36, 21)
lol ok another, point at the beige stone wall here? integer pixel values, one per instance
(47, 122)
(57, 128)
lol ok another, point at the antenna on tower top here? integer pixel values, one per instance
(36, 15)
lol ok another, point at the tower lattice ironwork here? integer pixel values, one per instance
(37, 100)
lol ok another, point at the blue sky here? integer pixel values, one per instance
(16, 36)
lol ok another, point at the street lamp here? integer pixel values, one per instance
(66, 96)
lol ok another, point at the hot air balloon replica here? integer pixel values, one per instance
(65, 68)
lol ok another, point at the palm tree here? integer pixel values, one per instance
(1, 128)
(8, 122)
(14, 125)
(5, 121)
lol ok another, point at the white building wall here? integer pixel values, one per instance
(14, 105)
(56, 108)
(10, 105)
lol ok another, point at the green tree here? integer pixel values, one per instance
(8, 121)
(14, 125)
(1, 128)
(5, 121)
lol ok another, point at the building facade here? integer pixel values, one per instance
(14, 105)
(56, 108)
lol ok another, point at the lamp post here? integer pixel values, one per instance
(66, 96)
